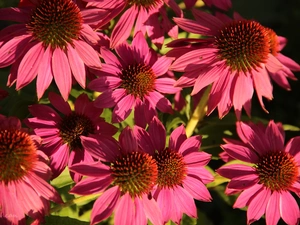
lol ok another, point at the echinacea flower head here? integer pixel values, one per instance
(136, 80)
(52, 40)
(62, 135)
(148, 16)
(23, 175)
(237, 57)
(181, 173)
(126, 175)
(271, 176)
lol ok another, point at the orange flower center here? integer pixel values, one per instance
(243, 44)
(274, 43)
(138, 80)
(73, 126)
(135, 173)
(56, 22)
(277, 171)
(17, 154)
(171, 168)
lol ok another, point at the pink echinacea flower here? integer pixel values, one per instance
(23, 175)
(136, 80)
(62, 136)
(181, 173)
(124, 177)
(236, 57)
(51, 40)
(266, 187)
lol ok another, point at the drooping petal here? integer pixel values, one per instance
(241, 152)
(77, 66)
(197, 189)
(123, 27)
(289, 208)
(62, 72)
(105, 204)
(123, 108)
(124, 213)
(257, 206)
(88, 55)
(235, 170)
(28, 67)
(45, 73)
(272, 210)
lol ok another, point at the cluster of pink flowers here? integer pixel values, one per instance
(142, 171)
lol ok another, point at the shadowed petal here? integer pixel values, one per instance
(289, 208)
(272, 210)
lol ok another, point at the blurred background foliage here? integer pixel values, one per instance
(284, 18)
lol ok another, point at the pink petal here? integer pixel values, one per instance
(45, 74)
(158, 132)
(28, 67)
(241, 152)
(157, 100)
(91, 185)
(140, 217)
(165, 201)
(193, 26)
(197, 189)
(161, 66)
(166, 85)
(255, 140)
(77, 65)
(62, 72)
(109, 57)
(289, 63)
(88, 34)
(105, 83)
(101, 148)
(109, 98)
(275, 137)
(243, 182)
(289, 208)
(144, 140)
(123, 108)
(95, 169)
(185, 202)
(177, 137)
(123, 27)
(208, 20)
(59, 160)
(12, 49)
(189, 145)
(293, 146)
(247, 195)
(43, 188)
(58, 102)
(257, 206)
(235, 170)
(193, 57)
(197, 159)
(204, 175)
(88, 55)
(218, 89)
(105, 204)
(272, 210)
(124, 212)
(207, 78)
(262, 85)
(152, 210)
(128, 141)
(140, 47)
(243, 91)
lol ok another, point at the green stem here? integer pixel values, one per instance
(73, 202)
(198, 113)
